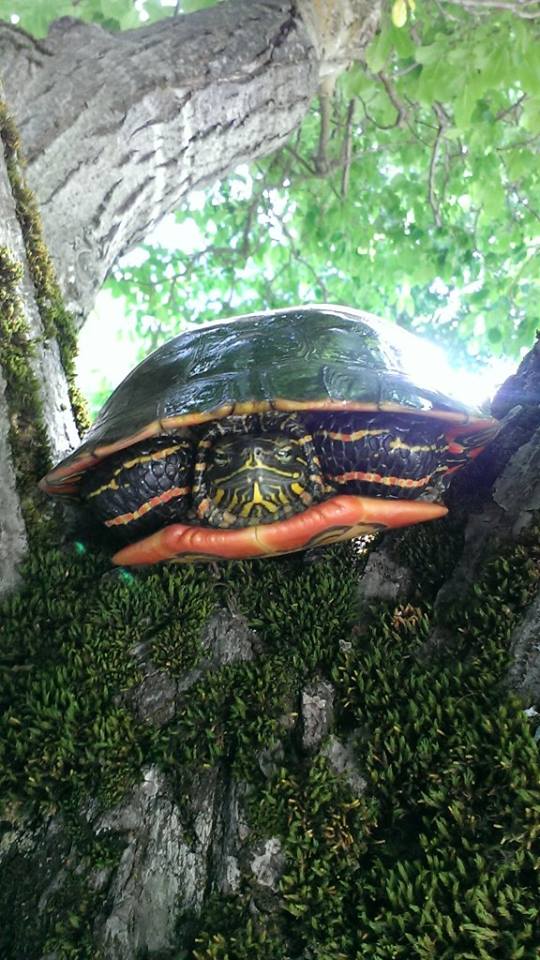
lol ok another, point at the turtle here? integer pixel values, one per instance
(270, 433)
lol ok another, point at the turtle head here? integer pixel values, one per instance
(243, 479)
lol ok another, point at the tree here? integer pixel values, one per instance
(238, 762)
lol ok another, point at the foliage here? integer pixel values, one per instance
(36, 16)
(421, 203)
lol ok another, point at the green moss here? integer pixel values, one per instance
(27, 435)
(431, 548)
(438, 858)
(57, 321)
(63, 921)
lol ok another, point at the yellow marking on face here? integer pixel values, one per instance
(256, 501)
(257, 495)
(297, 488)
(248, 467)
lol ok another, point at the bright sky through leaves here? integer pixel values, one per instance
(108, 352)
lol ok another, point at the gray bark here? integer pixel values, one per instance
(61, 431)
(118, 128)
(12, 529)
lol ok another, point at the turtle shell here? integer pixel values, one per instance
(303, 359)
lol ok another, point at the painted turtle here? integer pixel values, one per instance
(270, 433)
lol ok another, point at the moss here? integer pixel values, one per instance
(27, 434)
(57, 321)
(439, 858)
(431, 548)
(414, 867)
(65, 906)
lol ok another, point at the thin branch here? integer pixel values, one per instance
(392, 96)
(326, 93)
(300, 159)
(535, 250)
(347, 149)
(432, 199)
(513, 106)
(517, 8)
(444, 13)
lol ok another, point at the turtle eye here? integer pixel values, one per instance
(284, 452)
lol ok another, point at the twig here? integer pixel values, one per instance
(326, 92)
(392, 96)
(442, 118)
(513, 106)
(347, 149)
(517, 8)
(300, 159)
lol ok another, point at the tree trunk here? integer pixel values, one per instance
(277, 759)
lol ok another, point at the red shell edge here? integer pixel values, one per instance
(339, 518)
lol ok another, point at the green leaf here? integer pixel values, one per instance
(191, 6)
(530, 117)
(355, 82)
(379, 50)
(428, 54)
(527, 68)
(464, 107)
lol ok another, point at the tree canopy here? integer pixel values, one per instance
(411, 189)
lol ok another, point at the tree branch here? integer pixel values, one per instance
(347, 149)
(518, 7)
(443, 120)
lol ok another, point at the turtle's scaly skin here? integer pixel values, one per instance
(310, 409)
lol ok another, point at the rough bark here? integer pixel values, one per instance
(45, 360)
(13, 542)
(118, 128)
(50, 381)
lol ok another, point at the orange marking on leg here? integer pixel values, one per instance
(378, 478)
(125, 518)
